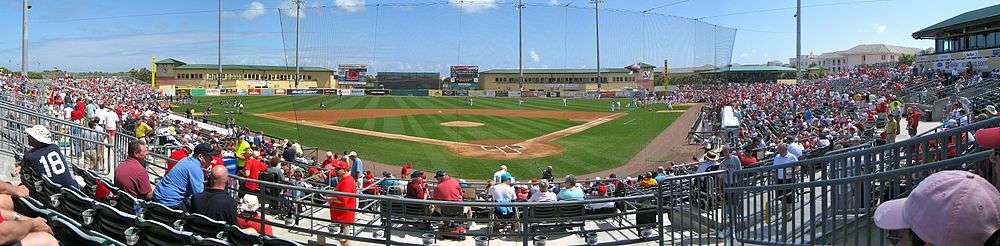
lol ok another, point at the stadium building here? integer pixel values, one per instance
(967, 41)
(864, 54)
(613, 79)
(750, 73)
(182, 75)
(409, 80)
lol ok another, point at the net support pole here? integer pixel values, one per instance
(298, 15)
(520, 46)
(597, 36)
(24, 38)
(218, 83)
(798, 41)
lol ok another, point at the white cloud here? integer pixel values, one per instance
(350, 5)
(288, 8)
(534, 56)
(878, 28)
(252, 11)
(472, 6)
(554, 2)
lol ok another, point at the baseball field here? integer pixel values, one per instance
(470, 141)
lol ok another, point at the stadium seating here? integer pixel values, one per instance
(205, 227)
(112, 222)
(153, 233)
(126, 202)
(161, 213)
(239, 238)
(271, 241)
(71, 234)
(210, 242)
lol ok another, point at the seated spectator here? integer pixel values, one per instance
(417, 187)
(16, 229)
(388, 182)
(448, 188)
(503, 193)
(274, 166)
(342, 207)
(542, 193)
(647, 181)
(179, 154)
(570, 191)
(946, 208)
(661, 176)
(252, 170)
(186, 179)
(600, 207)
(216, 203)
(46, 159)
(131, 175)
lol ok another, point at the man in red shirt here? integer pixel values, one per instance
(417, 187)
(913, 120)
(179, 154)
(448, 189)
(342, 207)
(131, 176)
(252, 170)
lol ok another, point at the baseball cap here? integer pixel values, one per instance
(440, 173)
(417, 173)
(946, 208)
(355, 154)
(988, 138)
(203, 149)
(40, 133)
(505, 177)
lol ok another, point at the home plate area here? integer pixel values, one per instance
(513, 149)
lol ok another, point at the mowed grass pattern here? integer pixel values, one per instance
(599, 148)
(429, 126)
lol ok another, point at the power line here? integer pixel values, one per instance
(789, 8)
(665, 5)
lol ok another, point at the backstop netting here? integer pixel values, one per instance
(431, 36)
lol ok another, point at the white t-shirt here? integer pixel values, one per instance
(795, 148)
(502, 192)
(109, 119)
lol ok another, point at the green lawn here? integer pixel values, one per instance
(599, 148)
(428, 126)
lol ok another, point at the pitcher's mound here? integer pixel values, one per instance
(462, 124)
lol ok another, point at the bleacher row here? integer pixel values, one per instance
(95, 216)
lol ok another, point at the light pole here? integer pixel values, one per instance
(520, 46)
(597, 31)
(798, 41)
(218, 79)
(298, 9)
(24, 38)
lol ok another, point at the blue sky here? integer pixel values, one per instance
(429, 35)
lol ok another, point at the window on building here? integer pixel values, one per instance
(991, 40)
(883, 57)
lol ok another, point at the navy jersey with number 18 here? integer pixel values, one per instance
(49, 161)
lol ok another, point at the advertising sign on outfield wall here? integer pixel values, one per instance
(476, 93)
(228, 92)
(344, 92)
(607, 94)
(409, 92)
(213, 92)
(197, 92)
(357, 92)
(241, 92)
(501, 94)
(434, 93)
(329, 91)
(303, 92)
(489, 93)
(253, 92)
(279, 91)
(462, 93)
(551, 94)
(514, 93)
(266, 92)
(448, 93)
(529, 94)
(184, 92)
(377, 92)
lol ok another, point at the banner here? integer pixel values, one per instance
(500, 93)
(352, 74)
(434, 93)
(329, 91)
(377, 92)
(514, 93)
(551, 94)
(279, 91)
(266, 92)
(241, 92)
(489, 93)
(228, 92)
(448, 93)
(253, 92)
(357, 92)
(213, 92)
(183, 92)
(528, 94)
(607, 94)
(462, 93)
(344, 92)
(303, 92)
(408, 92)
(256, 83)
(476, 93)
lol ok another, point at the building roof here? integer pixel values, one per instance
(979, 16)
(697, 69)
(829, 55)
(555, 71)
(879, 49)
(752, 69)
(182, 66)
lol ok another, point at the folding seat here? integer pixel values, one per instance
(272, 241)
(67, 231)
(111, 222)
(205, 227)
(239, 238)
(73, 204)
(153, 233)
(127, 203)
(209, 242)
(161, 213)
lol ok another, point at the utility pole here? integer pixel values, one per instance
(520, 46)
(597, 31)
(798, 41)
(24, 38)
(218, 79)
(298, 9)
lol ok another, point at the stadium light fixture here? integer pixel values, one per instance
(597, 32)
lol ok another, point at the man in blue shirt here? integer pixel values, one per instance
(356, 166)
(185, 179)
(570, 191)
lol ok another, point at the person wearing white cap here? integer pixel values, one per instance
(44, 158)
(500, 173)
(356, 166)
(946, 208)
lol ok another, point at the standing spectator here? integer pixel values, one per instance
(711, 162)
(356, 166)
(500, 173)
(730, 161)
(252, 171)
(91, 156)
(570, 191)
(795, 147)
(142, 129)
(913, 120)
(417, 187)
(946, 208)
(547, 174)
(179, 154)
(131, 175)
(289, 153)
(45, 158)
(110, 120)
(781, 161)
(186, 179)
(342, 207)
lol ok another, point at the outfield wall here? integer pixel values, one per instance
(410, 92)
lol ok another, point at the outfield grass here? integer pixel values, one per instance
(428, 126)
(599, 148)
